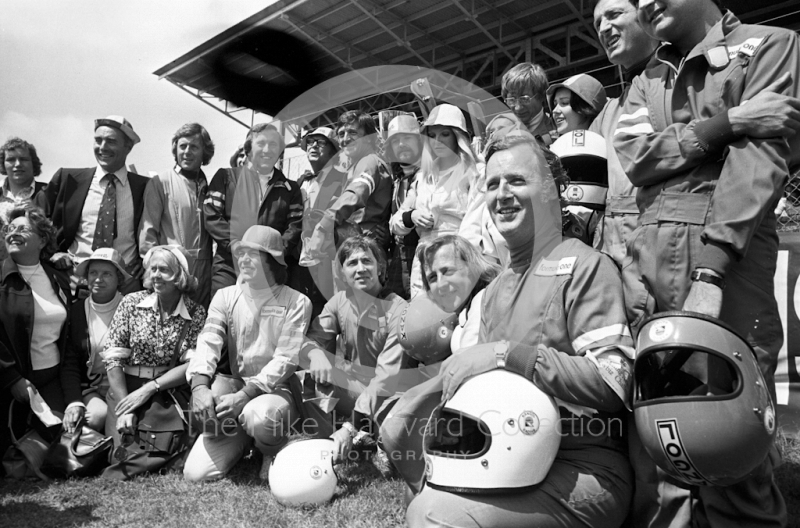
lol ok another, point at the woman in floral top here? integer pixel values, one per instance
(145, 371)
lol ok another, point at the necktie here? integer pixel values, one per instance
(106, 228)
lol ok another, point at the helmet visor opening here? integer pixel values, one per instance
(686, 373)
(457, 435)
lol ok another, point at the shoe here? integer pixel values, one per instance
(264, 473)
(383, 464)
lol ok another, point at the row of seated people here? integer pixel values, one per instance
(507, 209)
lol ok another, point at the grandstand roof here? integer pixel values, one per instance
(476, 40)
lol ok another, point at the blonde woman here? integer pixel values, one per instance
(438, 201)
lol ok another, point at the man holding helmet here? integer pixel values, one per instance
(559, 305)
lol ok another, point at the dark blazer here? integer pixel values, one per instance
(16, 316)
(64, 196)
(74, 369)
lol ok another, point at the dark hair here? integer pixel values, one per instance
(581, 107)
(278, 270)
(522, 76)
(468, 253)
(41, 225)
(363, 121)
(190, 130)
(15, 143)
(368, 245)
(258, 129)
(235, 158)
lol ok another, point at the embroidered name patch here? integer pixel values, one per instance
(273, 311)
(551, 268)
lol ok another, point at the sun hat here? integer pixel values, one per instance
(446, 115)
(103, 255)
(326, 132)
(262, 238)
(584, 86)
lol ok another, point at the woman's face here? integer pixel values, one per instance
(103, 281)
(443, 141)
(24, 245)
(450, 280)
(566, 118)
(162, 276)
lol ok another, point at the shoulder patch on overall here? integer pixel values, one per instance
(747, 48)
(551, 268)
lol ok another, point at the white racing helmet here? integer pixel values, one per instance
(583, 155)
(424, 330)
(499, 433)
(302, 473)
(701, 406)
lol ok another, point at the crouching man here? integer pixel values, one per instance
(245, 357)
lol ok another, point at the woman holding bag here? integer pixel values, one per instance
(152, 336)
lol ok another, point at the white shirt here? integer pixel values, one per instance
(125, 241)
(49, 316)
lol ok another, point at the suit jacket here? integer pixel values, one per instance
(63, 198)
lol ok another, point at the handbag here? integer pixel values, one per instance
(83, 453)
(24, 457)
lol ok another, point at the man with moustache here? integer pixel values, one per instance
(173, 203)
(99, 206)
(691, 252)
(403, 148)
(255, 194)
(321, 186)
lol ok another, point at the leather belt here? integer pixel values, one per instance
(145, 372)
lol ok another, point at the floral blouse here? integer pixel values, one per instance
(138, 337)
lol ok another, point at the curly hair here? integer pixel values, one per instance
(15, 143)
(184, 281)
(41, 225)
(190, 130)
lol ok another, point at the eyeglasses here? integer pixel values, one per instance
(22, 229)
(251, 253)
(315, 141)
(523, 100)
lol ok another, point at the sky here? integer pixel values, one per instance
(67, 63)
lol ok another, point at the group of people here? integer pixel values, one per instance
(193, 320)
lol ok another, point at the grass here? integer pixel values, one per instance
(363, 499)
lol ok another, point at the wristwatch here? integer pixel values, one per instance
(500, 353)
(710, 278)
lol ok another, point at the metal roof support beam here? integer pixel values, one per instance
(404, 43)
(579, 16)
(547, 51)
(486, 63)
(496, 12)
(408, 25)
(480, 26)
(591, 40)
